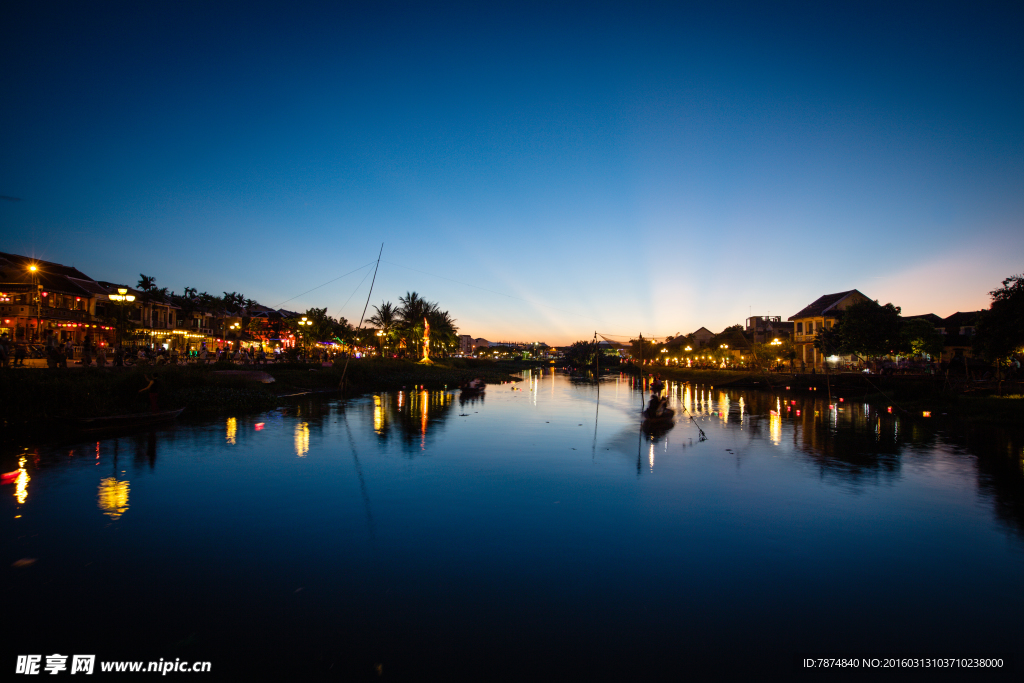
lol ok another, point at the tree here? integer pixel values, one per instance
(919, 337)
(582, 353)
(829, 341)
(868, 329)
(648, 349)
(386, 321)
(999, 331)
(146, 282)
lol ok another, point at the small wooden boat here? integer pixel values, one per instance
(471, 389)
(93, 424)
(663, 421)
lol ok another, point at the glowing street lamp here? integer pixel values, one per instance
(121, 298)
(35, 281)
(305, 323)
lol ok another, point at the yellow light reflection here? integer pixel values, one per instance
(232, 428)
(650, 457)
(302, 439)
(378, 415)
(21, 483)
(424, 400)
(113, 497)
(775, 428)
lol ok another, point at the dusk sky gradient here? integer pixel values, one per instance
(620, 167)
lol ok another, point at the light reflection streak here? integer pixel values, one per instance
(650, 456)
(113, 497)
(378, 415)
(424, 408)
(301, 439)
(232, 430)
(21, 483)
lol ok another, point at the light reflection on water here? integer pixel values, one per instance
(425, 525)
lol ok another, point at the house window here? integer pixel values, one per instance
(799, 328)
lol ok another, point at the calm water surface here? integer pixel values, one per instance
(533, 532)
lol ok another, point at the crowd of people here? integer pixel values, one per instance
(58, 354)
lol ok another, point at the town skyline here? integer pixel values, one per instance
(544, 171)
(149, 284)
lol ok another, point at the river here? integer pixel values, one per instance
(532, 532)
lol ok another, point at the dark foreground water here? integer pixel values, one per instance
(532, 534)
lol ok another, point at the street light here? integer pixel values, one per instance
(305, 332)
(121, 297)
(35, 281)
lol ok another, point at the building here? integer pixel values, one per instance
(154, 320)
(762, 329)
(702, 337)
(40, 299)
(958, 332)
(821, 314)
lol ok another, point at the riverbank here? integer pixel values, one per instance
(37, 398)
(921, 396)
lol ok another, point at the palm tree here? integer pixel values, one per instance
(146, 282)
(386, 321)
(411, 313)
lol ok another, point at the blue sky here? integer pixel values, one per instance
(571, 166)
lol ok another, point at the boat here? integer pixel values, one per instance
(93, 424)
(659, 422)
(473, 387)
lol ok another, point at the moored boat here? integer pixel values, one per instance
(91, 424)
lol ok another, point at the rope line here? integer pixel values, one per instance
(325, 284)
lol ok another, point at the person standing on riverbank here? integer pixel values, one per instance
(87, 350)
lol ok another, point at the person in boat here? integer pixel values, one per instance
(475, 384)
(153, 388)
(658, 385)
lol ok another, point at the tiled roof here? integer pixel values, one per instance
(958, 320)
(52, 276)
(823, 305)
(930, 317)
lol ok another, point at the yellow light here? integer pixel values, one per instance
(32, 268)
(21, 483)
(113, 497)
(301, 439)
(232, 430)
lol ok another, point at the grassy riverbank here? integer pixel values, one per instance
(34, 397)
